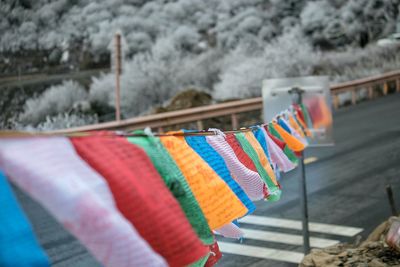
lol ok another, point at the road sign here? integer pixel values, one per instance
(315, 96)
(314, 92)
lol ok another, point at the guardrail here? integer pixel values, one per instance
(233, 108)
(368, 83)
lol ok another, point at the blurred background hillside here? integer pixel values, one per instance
(55, 54)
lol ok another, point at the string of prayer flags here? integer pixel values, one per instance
(142, 199)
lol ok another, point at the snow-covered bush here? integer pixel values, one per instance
(367, 20)
(320, 22)
(59, 121)
(57, 99)
(354, 63)
(244, 69)
(225, 47)
(44, 24)
(152, 78)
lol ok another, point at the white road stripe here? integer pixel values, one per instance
(286, 238)
(295, 224)
(260, 252)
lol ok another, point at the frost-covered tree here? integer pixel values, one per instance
(320, 22)
(244, 69)
(288, 8)
(367, 20)
(223, 46)
(45, 24)
(59, 121)
(151, 78)
(64, 98)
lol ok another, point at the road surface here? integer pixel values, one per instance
(346, 186)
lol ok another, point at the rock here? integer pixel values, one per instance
(376, 263)
(338, 263)
(374, 252)
(189, 98)
(336, 249)
(343, 256)
(373, 245)
(307, 261)
(378, 232)
(321, 258)
(350, 252)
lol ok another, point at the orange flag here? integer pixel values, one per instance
(292, 142)
(295, 125)
(217, 201)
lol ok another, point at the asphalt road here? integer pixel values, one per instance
(346, 186)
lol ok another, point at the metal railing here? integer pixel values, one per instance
(198, 114)
(367, 83)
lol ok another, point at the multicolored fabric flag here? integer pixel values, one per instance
(274, 192)
(217, 201)
(50, 171)
(176, 183)
(248, 179)
(142, 197)
(217, 163)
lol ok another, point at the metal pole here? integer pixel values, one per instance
(392, 204)
(304, 207)
(298, 99)
(117, 76)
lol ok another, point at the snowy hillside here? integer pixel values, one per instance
(223, 47)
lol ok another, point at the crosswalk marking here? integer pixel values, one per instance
(295, 224)
(310, 160)
(259, 252)
(286, 238)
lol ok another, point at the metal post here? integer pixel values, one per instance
(297, 95)
(234, 120)
(385, 88)
(354, 97)
(335, 101)
(200, 125)
(392, 204)
(397, 85)
(304, 206)
(117, 76)
(370, 92)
